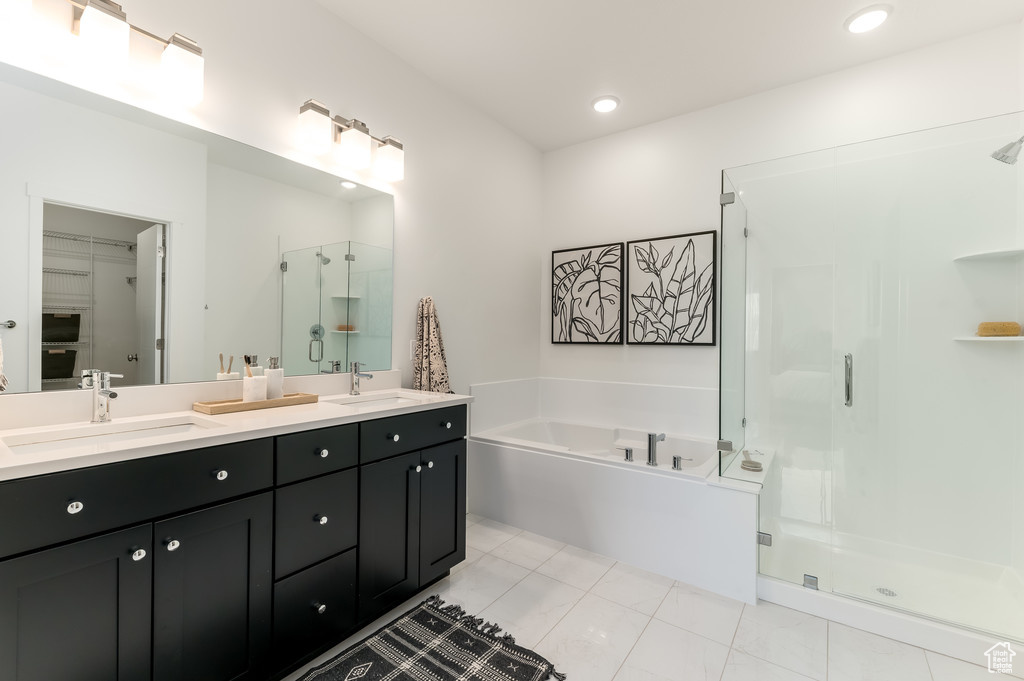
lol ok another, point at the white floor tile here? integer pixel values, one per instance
(854, 655)
(576, 567)
(528, 549)
(593, 639)
(635, 588)
(949, 669)
(701, 612)
(473, 519)
(480, 584)
(472, 555)
(743, 667)
(488, 535)
(668, 653)
(790, 639)
(531, 608)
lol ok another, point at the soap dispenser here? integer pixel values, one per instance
(275, 379)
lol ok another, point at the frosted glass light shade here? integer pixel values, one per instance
(103, 35)
(389, 162)
(315, 127)
(181, 72)
(868, 19)
(14, 14)
(354, 148)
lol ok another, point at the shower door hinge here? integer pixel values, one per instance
(810, 582)
(743, 423)
(159, 343)
(725, 445)
(284, 266)
(746, 233)
(350, 257)
(764, 539)
(727, 198)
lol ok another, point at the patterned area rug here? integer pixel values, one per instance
(435, 642)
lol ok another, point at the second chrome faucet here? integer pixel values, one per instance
(652, 447)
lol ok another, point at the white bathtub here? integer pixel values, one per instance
(699, 457)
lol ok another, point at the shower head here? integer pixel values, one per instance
(324, 260)
(1009, 153)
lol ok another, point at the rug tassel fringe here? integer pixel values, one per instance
(558, 677)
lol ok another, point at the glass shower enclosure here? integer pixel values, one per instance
(337, 301)
(853, 283)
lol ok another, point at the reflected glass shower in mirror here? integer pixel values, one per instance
(336, 308)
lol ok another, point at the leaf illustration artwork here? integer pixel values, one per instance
(671, 296)
(586, 294)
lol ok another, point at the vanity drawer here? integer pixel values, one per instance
(315, 519)
(383, 438)
(314, 608)
(315, 452)
(49, 509)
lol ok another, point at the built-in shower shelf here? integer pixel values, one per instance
(1002, 254)
(345, 332)
(346, 297)
(991, 339)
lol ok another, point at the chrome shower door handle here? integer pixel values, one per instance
(320, 347)
(848, 373)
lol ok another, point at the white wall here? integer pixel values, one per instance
(467, 215)
(664, 178)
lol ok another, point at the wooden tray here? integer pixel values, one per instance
(233, 406)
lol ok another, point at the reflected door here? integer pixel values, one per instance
(302, 333)
(149, 304)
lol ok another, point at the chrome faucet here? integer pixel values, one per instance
(335, 367)
(356, 376)
(99, 381)
(652, 447)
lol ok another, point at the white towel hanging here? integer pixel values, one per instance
(430, 368)
(3, 379)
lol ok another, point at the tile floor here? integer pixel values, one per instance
(600, 620)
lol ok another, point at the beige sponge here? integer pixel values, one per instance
(999, 329)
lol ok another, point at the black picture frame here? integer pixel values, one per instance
(586, 295)
(671, 290)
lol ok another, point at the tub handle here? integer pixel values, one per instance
(628, 451)
(848, 374)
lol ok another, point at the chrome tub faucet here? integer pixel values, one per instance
(652, 447)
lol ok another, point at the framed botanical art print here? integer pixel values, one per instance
(671, 290)
(586, 295)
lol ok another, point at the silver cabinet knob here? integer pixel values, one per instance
(173, 545)
(221, 475)
(75, 507)
(320, 608)
(324, 453)
(447, 424)
(393, 438)
(430, 464)
(322, 519)
(419, 468)
(138, 555)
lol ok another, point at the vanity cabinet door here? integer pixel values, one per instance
(442, 528)
(81, 611)
(211, 593)
(389, 507)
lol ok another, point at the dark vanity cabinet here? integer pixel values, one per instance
(412, 504)
(229, 563)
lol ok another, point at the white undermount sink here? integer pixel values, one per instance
(87, 438)
(373, 402)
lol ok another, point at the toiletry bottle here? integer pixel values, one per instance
(275, 379)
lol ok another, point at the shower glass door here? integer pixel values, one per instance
(734, 283)
(302, 333)
(926, 439)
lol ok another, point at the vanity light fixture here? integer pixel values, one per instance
(315, 127)
(104, 32)
(389, 160)
(868, 19)
(606, 104)
(353, 146)
(181, 69)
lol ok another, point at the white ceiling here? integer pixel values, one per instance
(536, 65)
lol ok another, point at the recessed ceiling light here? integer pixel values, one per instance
(606, 103)
(348, 185)
(868, 19)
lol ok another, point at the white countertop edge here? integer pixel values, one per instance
(238, 427)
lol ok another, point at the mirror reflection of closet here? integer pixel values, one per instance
(103, 290)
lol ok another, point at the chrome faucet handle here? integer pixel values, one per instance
(628, 451)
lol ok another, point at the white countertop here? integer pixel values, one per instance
(80, 450)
